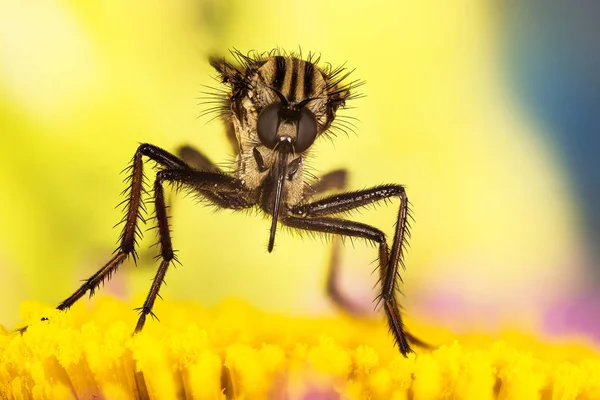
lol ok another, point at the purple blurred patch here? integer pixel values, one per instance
(321, 394)
(578, 316)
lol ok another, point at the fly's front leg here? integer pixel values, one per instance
(134, 207)
(223, 190)
(344, 202)
(201, 182)
(310, 216)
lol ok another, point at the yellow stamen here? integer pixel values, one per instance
(194, 353)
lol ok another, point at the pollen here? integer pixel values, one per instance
(237, 352)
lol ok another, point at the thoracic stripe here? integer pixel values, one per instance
(294, 79)
(279, 76)
(308, 79)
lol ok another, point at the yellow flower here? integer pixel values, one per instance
(236, 352)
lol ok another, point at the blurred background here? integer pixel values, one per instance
(487, 110)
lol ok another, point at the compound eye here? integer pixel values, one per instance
(307, 130)
(267, 124)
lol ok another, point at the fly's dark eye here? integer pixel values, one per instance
(307, 130)
(268, 121)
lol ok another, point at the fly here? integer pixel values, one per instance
(276, 106)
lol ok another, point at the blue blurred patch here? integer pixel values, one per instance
(552, 50)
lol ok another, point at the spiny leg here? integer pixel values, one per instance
(344, 202)
(166, 252)
(307, 217)
(201, 182)
(130, 232)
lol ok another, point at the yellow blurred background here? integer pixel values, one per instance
(83, 83)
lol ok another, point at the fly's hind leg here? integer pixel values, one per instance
(196, 159)
(336, 180)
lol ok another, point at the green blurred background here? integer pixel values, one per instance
(82, 83)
